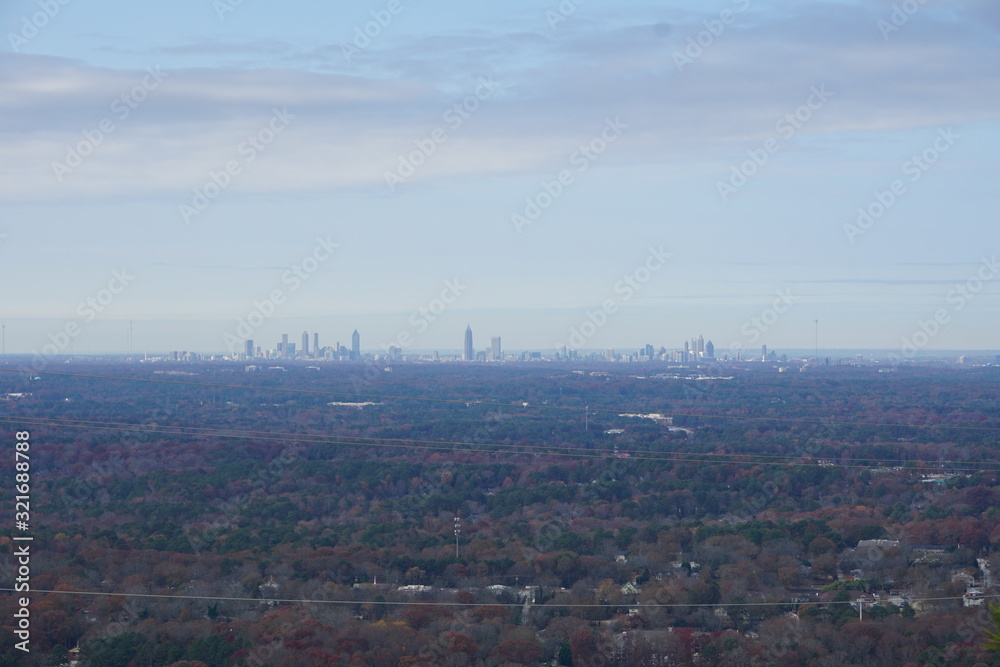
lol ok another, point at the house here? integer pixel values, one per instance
(880, 544)
(927, 553)
(415, 588)
(973, 598)
(965, 578)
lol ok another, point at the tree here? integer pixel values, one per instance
(117, 651)
(459, 643)
(565, 655)
(824, 567)
(992, 631)
(521, 652)
(582, 646)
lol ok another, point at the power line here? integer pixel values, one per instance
(721, 458)
(365, 441)
(825, 422)
(579, 605)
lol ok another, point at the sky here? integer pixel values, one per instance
(555, 173)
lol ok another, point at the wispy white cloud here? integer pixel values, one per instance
(352, 123)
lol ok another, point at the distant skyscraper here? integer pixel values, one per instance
(355, 346)
(687, 348)
(284, 345)
(249, 349)
(763, 352)
(495, 349)
(305, 343)
(701, 345)
(710, 350)
(469, 352)
(315, 345)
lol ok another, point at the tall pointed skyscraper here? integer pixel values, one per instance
(469, 353)
(355, 346)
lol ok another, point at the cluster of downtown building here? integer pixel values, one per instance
(694, 351)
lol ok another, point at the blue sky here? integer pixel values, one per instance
(746, 159)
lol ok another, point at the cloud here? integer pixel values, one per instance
(211, 47)
(209, 267)
(353, 121)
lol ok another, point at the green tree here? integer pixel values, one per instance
(992, 631)
(118, 651)
(565, 655)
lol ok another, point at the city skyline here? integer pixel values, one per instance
(591, 328)
(687, 350)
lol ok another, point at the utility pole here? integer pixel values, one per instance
(458, 531)
(586, 418)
